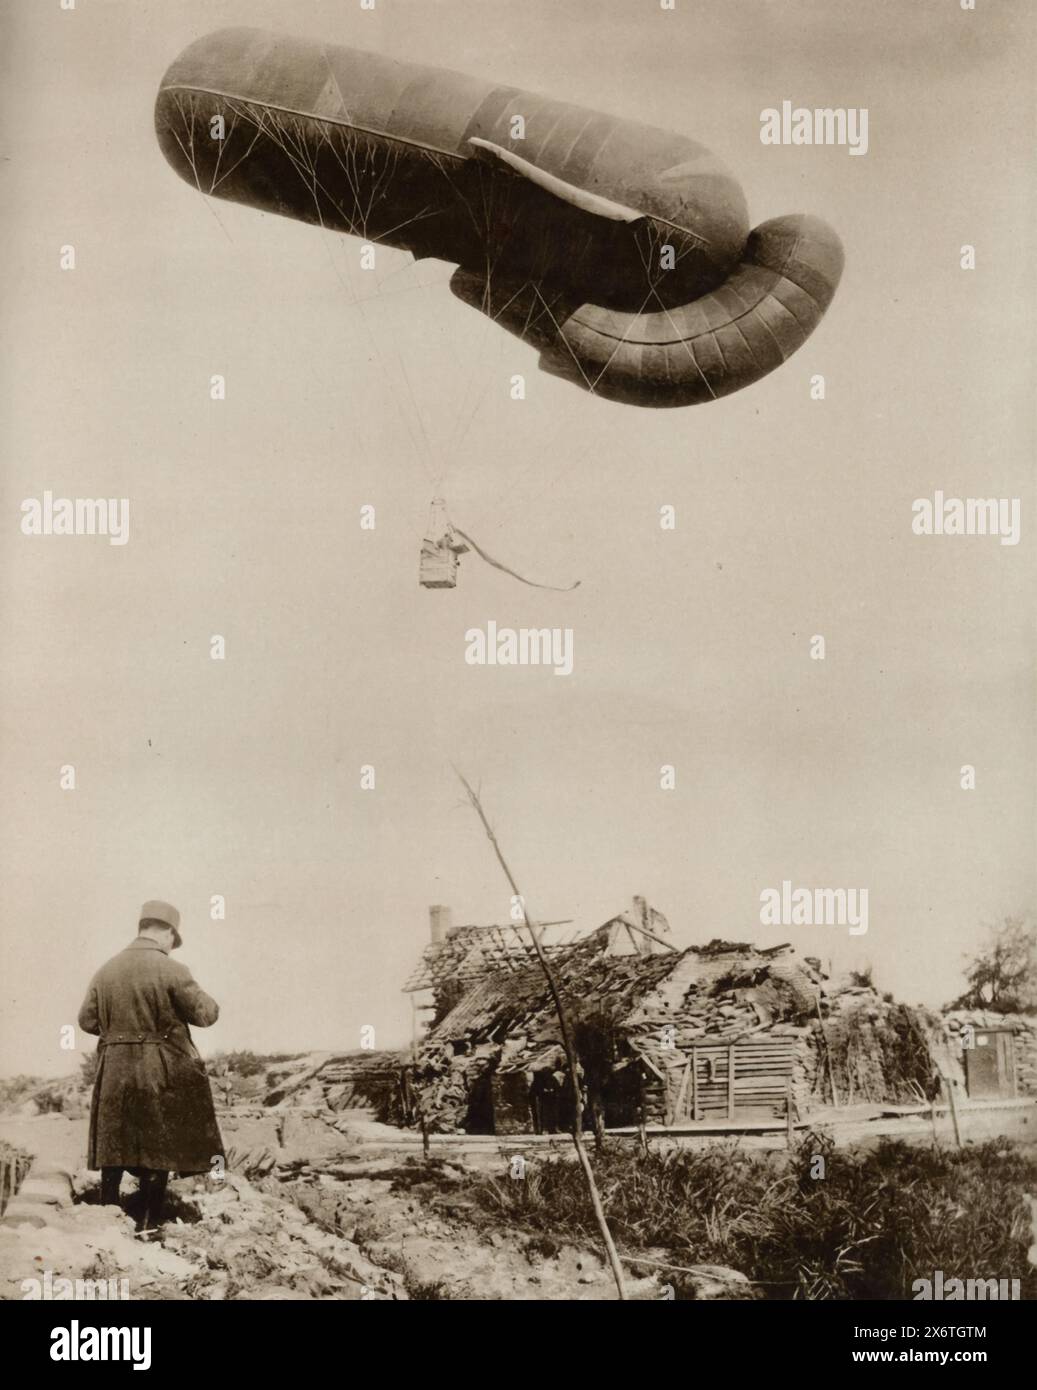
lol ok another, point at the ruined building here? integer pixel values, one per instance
(724, 1031)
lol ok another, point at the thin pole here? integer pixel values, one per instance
(949, 1083)
(567, 1045)
(828, 1055)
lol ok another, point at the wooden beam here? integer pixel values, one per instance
(1010, 1063)
(652, 1067)
(682, 1090)
(827, 1054)
(650, 934)
(949, 1083)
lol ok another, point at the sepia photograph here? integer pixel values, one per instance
(518, 683)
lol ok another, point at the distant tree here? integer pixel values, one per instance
(88, 1069)
(1003, 976)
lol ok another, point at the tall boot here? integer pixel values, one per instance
(153, 1191)
(110, 1180)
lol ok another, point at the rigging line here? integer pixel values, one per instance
(280, 137)
(189, 156)
(300, 167)
(358, 303)
(418, 217)
(244, 258)
(354, 177)
(459, 196)
(466, 416)
(326, 243)
(427, 458)
(584, 454)
(684, 344)
(305, 160)
(418, 415)
(579, 366)
(619, 344)
(522, 338)
(219, 157)
(511, 298)
(355, 301)
(414, 262)
(381, 179)
(226, 176)
(436, 284)
(471, 384)
(431, 151)
(401, 412)
(464, 413)
(480, 402)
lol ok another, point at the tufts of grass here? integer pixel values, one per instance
(434, 1291)
(818, 1223)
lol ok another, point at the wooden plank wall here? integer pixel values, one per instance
(725, 1080)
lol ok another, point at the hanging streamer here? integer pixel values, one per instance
(556, 588)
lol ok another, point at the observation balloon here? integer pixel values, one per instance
(619, 250)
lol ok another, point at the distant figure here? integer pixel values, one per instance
(152, 1110)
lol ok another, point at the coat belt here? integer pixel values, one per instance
(111, 1038)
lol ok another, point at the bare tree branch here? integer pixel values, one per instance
(567, 1044)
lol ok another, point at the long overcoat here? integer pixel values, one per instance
(152, 1106)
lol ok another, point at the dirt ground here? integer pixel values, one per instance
(319, 1207)
(323, 1224)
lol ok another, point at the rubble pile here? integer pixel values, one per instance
(873, 1050)
(372, 1230)
(327, 1081)
(86, 1243)
(445, 1083)
(251, 1243)
(222, 1240)
(719, 1031)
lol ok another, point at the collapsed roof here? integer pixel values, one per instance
(492, 991)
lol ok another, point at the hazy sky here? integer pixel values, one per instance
(242, 777)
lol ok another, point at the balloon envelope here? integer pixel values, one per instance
(620, 250)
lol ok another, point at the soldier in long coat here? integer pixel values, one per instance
(152, 1110)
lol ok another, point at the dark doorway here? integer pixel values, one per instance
(990, 1064)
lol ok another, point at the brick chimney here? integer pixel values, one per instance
(439, 922)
